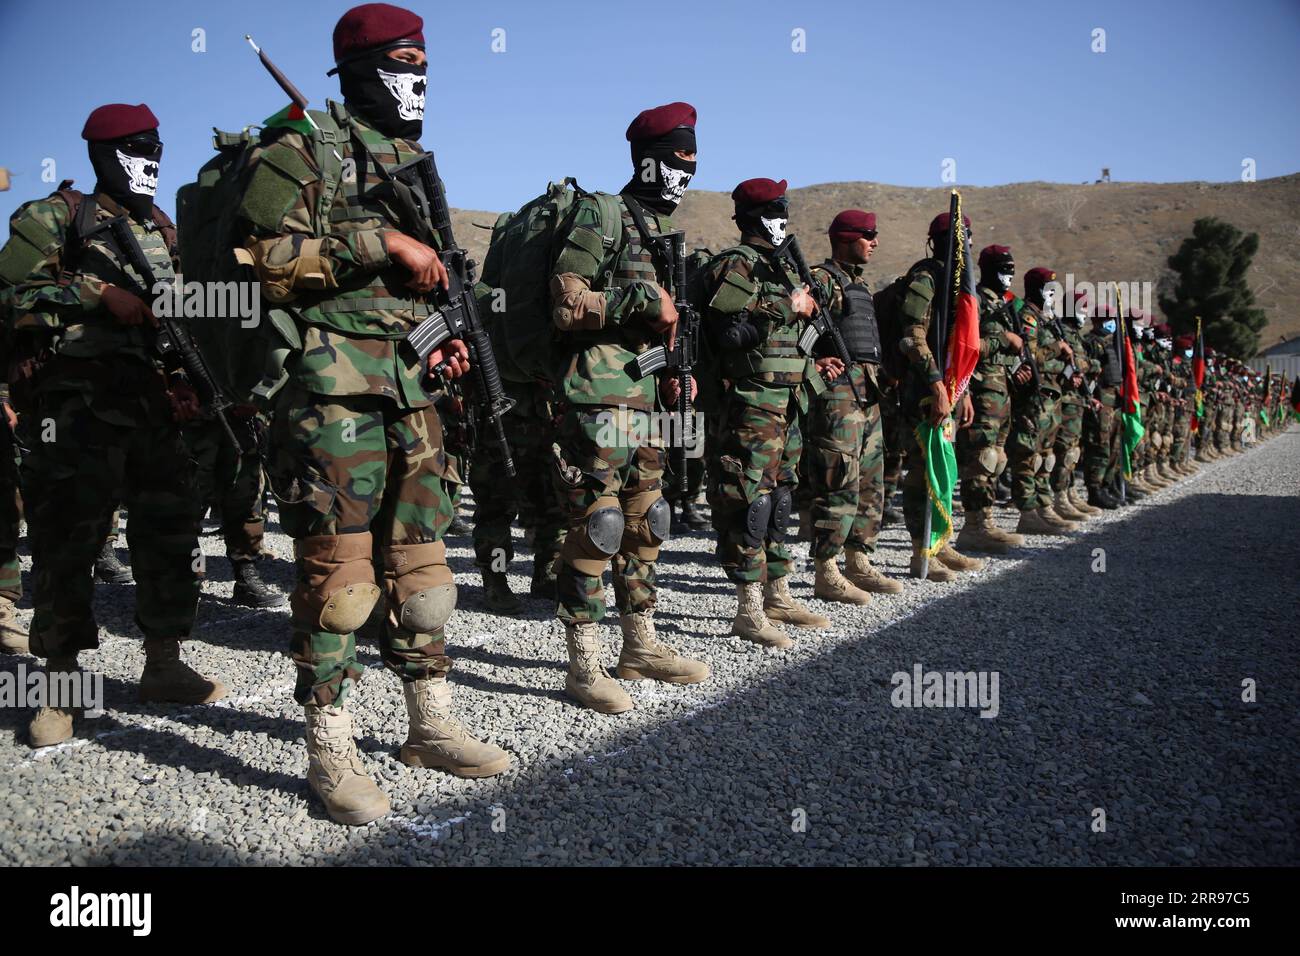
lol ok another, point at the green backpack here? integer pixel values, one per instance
(248, 361)
(514, 289)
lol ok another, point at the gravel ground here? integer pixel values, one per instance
(1119, 691)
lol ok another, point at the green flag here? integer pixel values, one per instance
(940, 480)
(292, 117)
(1133, 430)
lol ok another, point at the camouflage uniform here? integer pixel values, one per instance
(845, 456)
(1036, 418)
(359, 462)
(981, 448)
(607, 463)
(1101, 424)
(232, 483)
(101, 397)
(1068, 447)
(922, 372)
(757, 455)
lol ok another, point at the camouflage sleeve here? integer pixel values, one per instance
(284, 189)
(917, 301)
(825, 289)
(41, 300)
(732, 288)
(574, 304)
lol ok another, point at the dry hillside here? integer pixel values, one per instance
(1100, 232)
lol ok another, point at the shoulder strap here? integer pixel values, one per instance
(836, 272)
(648, 239)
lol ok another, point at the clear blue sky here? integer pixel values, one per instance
(884, 92)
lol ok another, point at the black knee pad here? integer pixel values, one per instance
(782, 503)
(757, 518)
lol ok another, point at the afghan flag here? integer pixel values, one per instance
(291, 117)
(1131, 427)
(1198, 376)
(1295, 398)
(1267, 394)
(961, 355)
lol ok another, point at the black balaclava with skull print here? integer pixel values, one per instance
(767, 221)
(660, 176)
(386, 93)
(126, 170)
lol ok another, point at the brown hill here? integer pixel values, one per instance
(1100, 232)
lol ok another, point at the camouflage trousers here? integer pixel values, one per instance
(1034, 424)
(369, 484)
(695, 468)
(1068, 447)
(1180, 434)
(11, 516)
(499, 500)
(607, 459)
(845, 463)
(892, 433)
(1101, 437)
(232, 484)
(1222, 426)
(757, 453)
(981, 448)
(72, 483)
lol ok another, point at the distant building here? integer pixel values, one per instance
(1283, 358)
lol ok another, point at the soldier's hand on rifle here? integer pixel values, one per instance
(11, 417)
(1023, 375)
(667, 313)
(965, 411)
(1095, 404)
(422, 262)
(126, 307)
(940, 405)
(670, 389)
(1063, 347)
(1076, 380)
(1015, 341)
(183, 400)
(830, 368)
(455, 356)
(802, 302)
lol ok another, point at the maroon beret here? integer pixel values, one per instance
(373, 25)
(756, 192)
(1163, 330)
(1038, 277)
(989, 254)
(117, 120)
(653, 123)
(939, 224)
(1103, 310)
(1184, 341)
(851, 224)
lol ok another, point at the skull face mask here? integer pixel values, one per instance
(142, 173)
(127, 170)
(386, 93)
(1005, 279)
(674, 181)
(774, 228)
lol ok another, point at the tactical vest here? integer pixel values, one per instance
(857, 320)
(1112, 373)
(996, 316)
(777, 360)
(384, 307)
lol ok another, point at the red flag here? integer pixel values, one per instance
(964, 339)
(1198, 376)
(1130, 378)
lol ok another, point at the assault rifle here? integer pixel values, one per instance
(821, 323)
(681, 353)
(422, 205)
(1026, 357)
(174, 340)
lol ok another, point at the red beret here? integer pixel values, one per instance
(990, 255)
(1039, 276)
(1163, 330)
(1184, 341)
(939, 224)
(755, 192)
(851, 224)
(651, 124)
(373, 25)
(1103, 310)
(117, 120)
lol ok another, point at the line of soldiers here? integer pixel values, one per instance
(367, 452)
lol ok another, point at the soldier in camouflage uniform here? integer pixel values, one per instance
(923, 394)
(1101, 417)
(844, 449)
(981, 449)
(13, 637)
(530, 432)
(755, 310)
(1036, 416)
(84, 340)
(609, 304)
(1184, 406)
(1068, 447)
(359, 461)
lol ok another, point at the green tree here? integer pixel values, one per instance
(1211, 266)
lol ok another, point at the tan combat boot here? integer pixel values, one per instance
(53, 725)
(1063, 509)
(935, 570)
(437, 739)
(1032, 521)
(588, 682)
(980, 534)
(780, 605)
(1080, 503)
(1052, 518)
(866, 576)
(752, 623)
(1167, 472)
(829, 584)
(334, 770)
(645, 657)
(168, 679)
(953, 559)
(1153, 480)
(13, 636)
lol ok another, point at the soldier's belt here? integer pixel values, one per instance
(376, 304)
(1001, 358)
